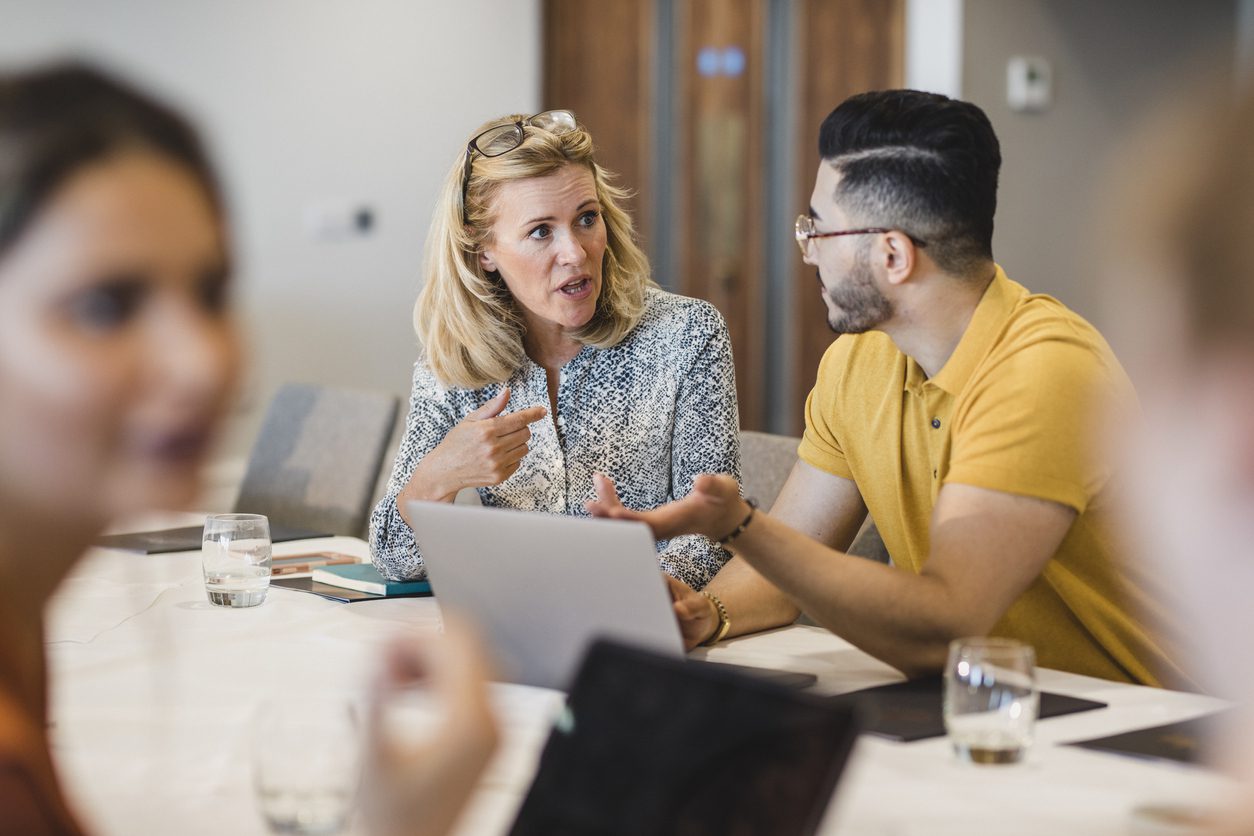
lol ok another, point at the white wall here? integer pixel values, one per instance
(1112, 62)
(304, 101)
(934, 46)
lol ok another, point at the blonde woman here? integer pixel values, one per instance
(549, 355)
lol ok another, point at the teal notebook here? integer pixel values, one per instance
(363, 577)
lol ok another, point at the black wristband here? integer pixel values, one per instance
(753, 507)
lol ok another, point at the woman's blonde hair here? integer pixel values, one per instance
(470, 327)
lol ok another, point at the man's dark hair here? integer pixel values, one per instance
(56, 120)
(920, 162)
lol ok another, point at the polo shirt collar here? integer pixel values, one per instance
(990, 315)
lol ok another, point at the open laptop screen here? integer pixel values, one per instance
(541, 587)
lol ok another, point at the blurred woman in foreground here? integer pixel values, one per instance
(118, 354)
(1181, 278)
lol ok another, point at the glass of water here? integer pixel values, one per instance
(235, 556)
(306, 764)
(991, 699)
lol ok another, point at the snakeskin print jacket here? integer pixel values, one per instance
(652, 412)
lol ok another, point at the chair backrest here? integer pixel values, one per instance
(870, 544)
(765, 462)
(317, 458)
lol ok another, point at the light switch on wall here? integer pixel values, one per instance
(1029, 84)
(332, 220)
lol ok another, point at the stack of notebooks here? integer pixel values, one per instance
(353, 582)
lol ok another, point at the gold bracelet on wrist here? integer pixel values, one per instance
(724, 623)
(753, 507)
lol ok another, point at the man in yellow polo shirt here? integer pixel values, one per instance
(957, 408)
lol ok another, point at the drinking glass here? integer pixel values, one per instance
(306, 763)
(991, 699)
(235, 556)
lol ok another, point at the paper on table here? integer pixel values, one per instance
(306, 562)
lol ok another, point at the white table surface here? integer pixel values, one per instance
(153, 689)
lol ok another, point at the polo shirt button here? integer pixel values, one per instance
(936, 423)
(933, 474)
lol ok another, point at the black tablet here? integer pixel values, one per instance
(188, 538)
(653, 745)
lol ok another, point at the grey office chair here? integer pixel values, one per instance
(317, 458)
(766, 461)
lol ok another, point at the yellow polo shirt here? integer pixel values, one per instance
(1010, 411)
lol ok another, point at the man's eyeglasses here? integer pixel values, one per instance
(806, 232)
(501, 139)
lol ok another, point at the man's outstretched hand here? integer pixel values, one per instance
(713, 508)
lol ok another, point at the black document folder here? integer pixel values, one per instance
(1184, 741)
(188, 538)
(911, 710)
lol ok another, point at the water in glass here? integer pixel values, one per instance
(235, 556)
(991, 699)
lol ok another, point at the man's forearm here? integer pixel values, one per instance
(896, 616)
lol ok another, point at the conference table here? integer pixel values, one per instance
(153, 690)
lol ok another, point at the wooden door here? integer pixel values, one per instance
(846, 47)
(598, 61)
(688, 86)
(719, 207)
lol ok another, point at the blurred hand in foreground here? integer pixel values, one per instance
(418, 787)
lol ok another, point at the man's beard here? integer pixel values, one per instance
(860, 303)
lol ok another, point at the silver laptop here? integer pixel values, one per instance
(543, 586)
